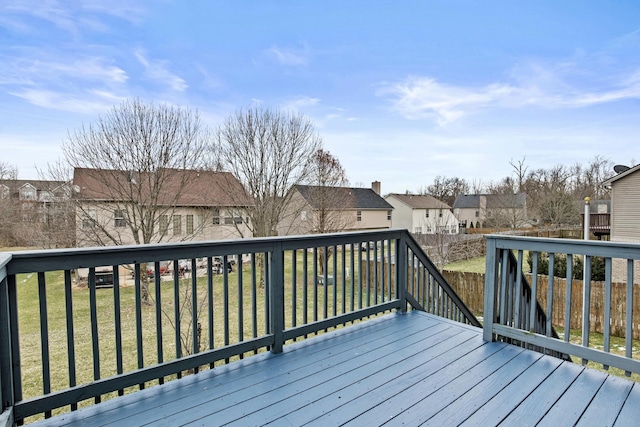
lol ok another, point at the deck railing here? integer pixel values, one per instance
(509, 316)
(82, 325)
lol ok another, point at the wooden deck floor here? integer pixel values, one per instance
(408, 369)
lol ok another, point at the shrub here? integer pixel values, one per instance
(560, 266)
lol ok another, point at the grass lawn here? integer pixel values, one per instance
(473, 265)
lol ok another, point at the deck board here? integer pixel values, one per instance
(413, 369)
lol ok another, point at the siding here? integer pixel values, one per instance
(625, 209)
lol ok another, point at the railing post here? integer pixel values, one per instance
(6, 386)
(276, 290)
(490, 284)
(402, 270)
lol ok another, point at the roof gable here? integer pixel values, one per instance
(419, 201)
(624, 174)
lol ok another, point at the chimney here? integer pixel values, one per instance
(375, 186)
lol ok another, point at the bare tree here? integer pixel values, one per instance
(520, 170)
(269, 151)
(447, 189)
(133, 166)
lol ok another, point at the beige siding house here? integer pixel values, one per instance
(422, 214)
(316, 209)
(182, 206)
(625, 215)
(491, 210)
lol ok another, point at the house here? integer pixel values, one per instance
(35, 213)
(491, 210)
(624, 216)
(422, 214)
(322, 209)
(168, 205)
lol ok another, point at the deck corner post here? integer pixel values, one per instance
(276, 290)
(402, 271)
(7, 397)
(490, 285)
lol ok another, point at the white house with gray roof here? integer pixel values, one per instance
(422, 214)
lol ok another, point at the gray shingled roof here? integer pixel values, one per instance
(494, 201)
(420, 201)
(343, 197)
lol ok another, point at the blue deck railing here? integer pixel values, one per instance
(78, 326)
(579, 287)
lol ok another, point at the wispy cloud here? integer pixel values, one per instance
(423, 97)
(296, 57)
(300, 102)
(73, 17)
(84, 102)
(158, 70)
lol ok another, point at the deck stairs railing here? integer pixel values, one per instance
(78, 326)
(584, 308)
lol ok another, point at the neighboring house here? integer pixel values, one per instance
(422, 214)
(319, 209)
(491, 210)
(35, 213)
(189, 205)
(625, 215)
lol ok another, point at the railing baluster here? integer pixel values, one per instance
(138, 295)
(518, 291)
(210, 303)
(325, 282)
(241, 300)
(254, 298)
(368, 274)
(586, 303)
(44, 337)
(567, 302)
(375, 272)
(276, 280)
(94, 327)
(315, 284)
(117, 322)
(225, 298)
(176, 309)
(629, 313)
(344, 278)
(335, 280)
(504, 284)
(294, 289)
(158, 300)
(607, 307)
(305, 285)
(71, 348)
(195, 325)
(550, 277)
(534, 293)
(360, 277)
(353, 275)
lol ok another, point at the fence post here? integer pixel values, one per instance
(276, 290)
(490, 285)
(401, 271)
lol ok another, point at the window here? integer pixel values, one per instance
(426, 214)
(177, 225)
(164, 224)
(28, 192)
(216, 217)
(89, 219)
(477, 214)
(119, 220)
(440, 213)
(189, 224)
(238, 219)
(388, 215)
(358, 215)
(228, 220)
(417, 230)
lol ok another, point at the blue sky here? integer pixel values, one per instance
(400, 91)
